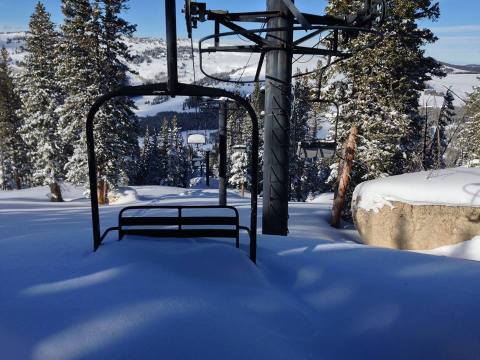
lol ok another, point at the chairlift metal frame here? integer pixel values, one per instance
(171, 88)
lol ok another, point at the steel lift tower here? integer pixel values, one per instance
(276, 48)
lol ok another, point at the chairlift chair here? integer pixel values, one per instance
(150, 225)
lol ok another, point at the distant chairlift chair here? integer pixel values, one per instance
(149, 225)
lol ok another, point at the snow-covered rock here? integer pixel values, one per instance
(419, 211)
(455, 187)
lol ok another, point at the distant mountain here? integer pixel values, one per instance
(466, 69)
(150, 65)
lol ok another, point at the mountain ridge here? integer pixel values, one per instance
(150, 65)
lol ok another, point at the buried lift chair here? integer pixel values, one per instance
(173, 88)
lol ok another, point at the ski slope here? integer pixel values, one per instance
(316, 294)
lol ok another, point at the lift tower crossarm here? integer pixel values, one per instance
(297, 14)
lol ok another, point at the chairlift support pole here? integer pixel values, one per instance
(277, 116)
(222, 151)
(207, 168)
(171, 33)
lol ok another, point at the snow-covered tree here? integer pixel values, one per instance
(41, 97)
(299, 131)
(91, 64)
(239, 177)
(468, 141)
(179, 168)
(117, 130)
(164, 144)
(439, 142)
(76, 69)
(14, 164)
(149, 171)
(380, 88)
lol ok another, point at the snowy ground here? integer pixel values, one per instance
(314, 295)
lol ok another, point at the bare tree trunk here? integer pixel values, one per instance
(56, 192)
(344, 176)
(242, 189)
(102, 190)
(439, 150)
(18, 180)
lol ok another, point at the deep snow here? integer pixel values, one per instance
(313, 295)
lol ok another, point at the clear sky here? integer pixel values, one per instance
(458, 27)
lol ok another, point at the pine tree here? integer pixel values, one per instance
(235, 134)
(299, 131)
(164, 145)
(258, 103)
(468, 141)
(92, 65)
(381, 86)
(117, 130)
(14, 165)
(153, 174)
(41, 97)
(239, 177)
(77, 78)
(440, 141)
(171, 161)
(179, 170)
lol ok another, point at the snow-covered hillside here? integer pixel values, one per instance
(315, 294)
(14, 42)
(150, 65)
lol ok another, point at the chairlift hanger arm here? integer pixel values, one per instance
(253, 17)
(297, 50)
(262, 47)
(244, 32)
(373, 10)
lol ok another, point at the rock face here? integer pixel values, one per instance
(416, 227)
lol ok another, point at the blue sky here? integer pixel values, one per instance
(458, 27)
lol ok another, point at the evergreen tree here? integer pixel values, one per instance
(14, 165)
(239, 177)
(92, 53)
(381, 86)
(440, 141)
(258, 103)
(235, 135)
(179, 170)
(40, 98)
(77, 78)
(149, 173)
(163, 144)
(117, 130)
(299, 130)
(468, 141)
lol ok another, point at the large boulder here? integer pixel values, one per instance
(419, 211)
